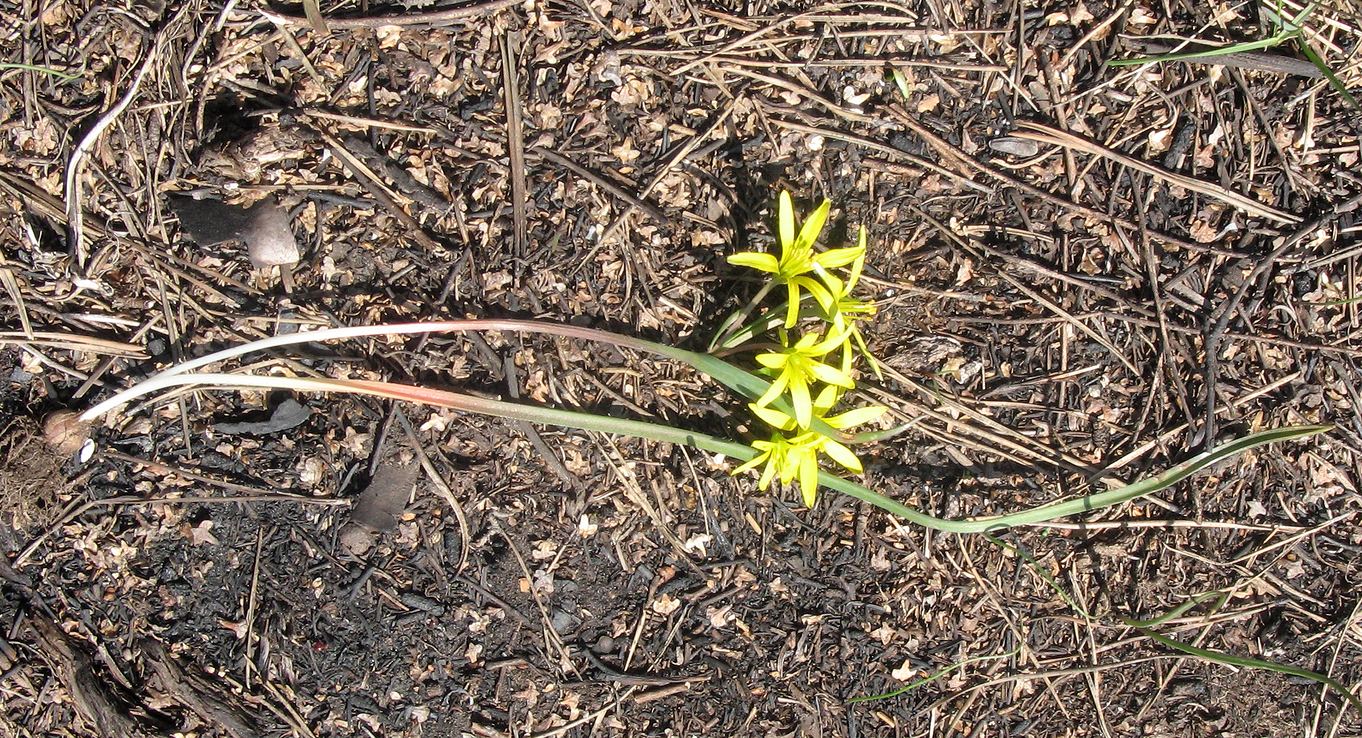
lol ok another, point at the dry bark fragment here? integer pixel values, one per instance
(379, 505)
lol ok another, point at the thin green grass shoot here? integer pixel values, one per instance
(63, 76)
(924, 681)
(1146, 627)
(1289, 30)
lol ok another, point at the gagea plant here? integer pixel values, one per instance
(804, 353)
(814, 371)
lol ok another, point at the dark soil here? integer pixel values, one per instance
(1084, 273)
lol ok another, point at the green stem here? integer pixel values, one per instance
(725, 332)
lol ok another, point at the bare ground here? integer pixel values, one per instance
(1084, 272)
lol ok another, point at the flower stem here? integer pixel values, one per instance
(735, 320)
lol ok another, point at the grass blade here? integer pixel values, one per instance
(924, 681)
(1229, 659)
(1265, 43)
(1088, 503)
(1144, 626)
(63, 76)
(743, 382)
(1334, 81)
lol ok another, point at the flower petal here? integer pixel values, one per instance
(835, 340)
(842, 455)
(836, 288)
(752, 464)
(789, 463)
(775, 390)
(838, 257)
(808, 479)
(856, 416)
(767, 475)
(755, 260)
(772, 417)
(858, 264)
(792, 309)
(785, 223)
(821, 294)
(829, 375)
(813, 225)
(827, 397)
(799, 398)
(773, 360)
(805, 341)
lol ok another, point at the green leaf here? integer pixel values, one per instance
(1265, 43)
(917, 684)
(63, 76)
(1328, 73)
(1228, 659)
(744, 383)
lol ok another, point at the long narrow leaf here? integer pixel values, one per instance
(1144, 626)
(1088, 503)
(1240, 48)
(713, 444)
(1229, 659)
(924, 681)
(1328, 73)
(739, 380)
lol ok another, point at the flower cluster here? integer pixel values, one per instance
(811, 372)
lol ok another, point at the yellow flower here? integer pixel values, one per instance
(790, 459)
(774, 453)
(845, 310)
(798, 456)
(825, 401)
(799, 366)
(797, 257)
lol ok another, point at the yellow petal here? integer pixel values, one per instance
(836, 289)
(842, 455)
(820, 293)
(772, 417)
(789, 464)
(799, 398)
(827, 397)
(814, 225)
(838, 257)
(808, 480)
(773, 360)
(752, 464)
(836, 339)
(792, 309)
(775, 390)
(858, 264)
(829, 375)
(786, 222)
(755, 260)
(857, 416)
(767, 475)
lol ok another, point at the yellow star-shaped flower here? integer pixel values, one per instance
(797, 257)
(844, 310)
(798, 366)
(797, 457)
